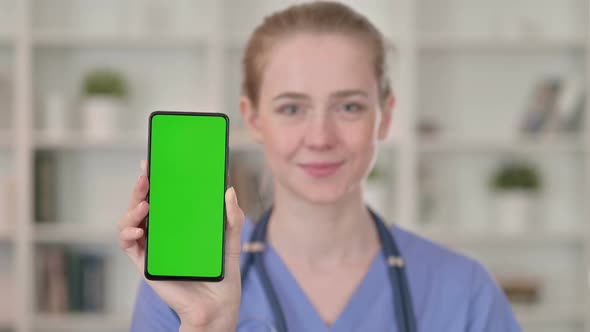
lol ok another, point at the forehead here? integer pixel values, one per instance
(318, 64)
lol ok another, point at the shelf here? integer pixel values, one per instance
(490, 237)
(452, 44)
(74, 233)
(529, 145)
(62, 39)
(74, 141)
(82, 322)
(546, 316)
(239, 140)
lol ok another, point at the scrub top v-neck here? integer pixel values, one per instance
(302, 314)
(450, 293)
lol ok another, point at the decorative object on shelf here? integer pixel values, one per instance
(515, 185)
(105, 92)
(376, 190)
(556, 107)
(521, 289)
(55, 114)
(571, 105)
(428, 127)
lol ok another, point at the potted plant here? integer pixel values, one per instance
(515, 186)
(375, 192)
(104, 95)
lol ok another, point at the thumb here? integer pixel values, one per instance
(235, 221)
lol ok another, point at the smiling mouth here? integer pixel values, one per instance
(321, 169)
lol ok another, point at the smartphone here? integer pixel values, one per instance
(187, 171)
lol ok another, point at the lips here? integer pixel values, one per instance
(321, 169)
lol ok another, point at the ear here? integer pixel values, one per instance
(251, 118)
(386, 117)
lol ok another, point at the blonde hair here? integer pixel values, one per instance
(314, 17)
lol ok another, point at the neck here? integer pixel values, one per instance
(322, 234)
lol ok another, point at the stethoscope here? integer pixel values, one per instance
(402, 299)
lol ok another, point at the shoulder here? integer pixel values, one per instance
(432, 255)
(449, 284)
(440, 265)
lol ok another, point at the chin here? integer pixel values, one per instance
(321, 194)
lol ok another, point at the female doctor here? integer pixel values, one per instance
(317, 97)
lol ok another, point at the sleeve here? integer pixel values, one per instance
(489, 310)
(151, 313)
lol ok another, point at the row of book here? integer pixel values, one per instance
(69, 280)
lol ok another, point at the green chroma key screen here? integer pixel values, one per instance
(187, 173)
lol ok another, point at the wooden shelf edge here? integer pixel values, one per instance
(81, 322)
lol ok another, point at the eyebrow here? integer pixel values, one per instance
(337, 94)
(348, 93)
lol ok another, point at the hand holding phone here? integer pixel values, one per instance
(211, 304)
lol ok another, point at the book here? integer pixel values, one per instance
(93, 282)
(68, 280)
(55, 298)
(86, 281)
(45, 187)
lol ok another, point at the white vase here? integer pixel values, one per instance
(513, 211)
(100, 115)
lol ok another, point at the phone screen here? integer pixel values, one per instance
(187, 163)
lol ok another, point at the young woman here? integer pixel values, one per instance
(317, 97)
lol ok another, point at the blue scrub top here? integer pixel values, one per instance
(450, 292)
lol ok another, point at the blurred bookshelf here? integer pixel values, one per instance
(71, 40)
(442, 44)
(465, 74)
(83, 322)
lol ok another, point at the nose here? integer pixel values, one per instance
(320, 132)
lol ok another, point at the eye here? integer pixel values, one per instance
(352, 107)
(289, 109)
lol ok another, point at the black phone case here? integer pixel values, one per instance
(226, 179)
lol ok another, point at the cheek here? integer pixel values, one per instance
(359, 137)
(281, 142)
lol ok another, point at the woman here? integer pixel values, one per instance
(317, 97)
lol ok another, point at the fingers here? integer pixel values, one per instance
(135, 216)
(143, 166)
(235, 221)
(129, 236)
(140, 190)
